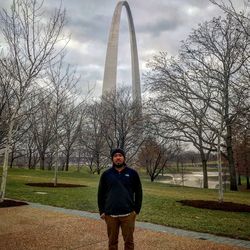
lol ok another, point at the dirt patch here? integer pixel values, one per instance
(51, 185)
(216, 205)
(12, 203)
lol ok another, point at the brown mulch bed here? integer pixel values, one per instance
(12, 203)
(216, 205)
(50, 184)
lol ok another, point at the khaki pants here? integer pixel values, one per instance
(127, 225)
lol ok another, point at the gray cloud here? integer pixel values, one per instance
(94, 29)
(159, 25)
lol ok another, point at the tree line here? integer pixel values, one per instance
(199, 98)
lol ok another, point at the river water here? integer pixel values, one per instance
(194, 179)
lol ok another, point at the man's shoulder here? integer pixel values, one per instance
(132, 170)
(107, 171)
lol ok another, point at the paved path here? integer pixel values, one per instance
(45, 227)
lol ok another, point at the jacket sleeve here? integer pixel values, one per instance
(101, 194)
(138, 193)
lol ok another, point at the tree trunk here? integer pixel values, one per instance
(42, 161)
(203, 160)
(233, 179)
(56, 167)
(204, 169)
(205, 178)
(30, 158)
(152, 178)
(67, 162)
(248, 183)
(78, 160)
(12, 157)
(98, 171)
(98, 163)
(6, 161)
(35, 161)
(239, 180)
(247, 177)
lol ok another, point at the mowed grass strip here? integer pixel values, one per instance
(160, 203)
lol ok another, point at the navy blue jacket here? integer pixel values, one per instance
(119, 192)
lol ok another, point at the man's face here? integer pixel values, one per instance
(118, 159)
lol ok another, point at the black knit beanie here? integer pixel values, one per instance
(117, 150)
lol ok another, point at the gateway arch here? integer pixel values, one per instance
(110, 70)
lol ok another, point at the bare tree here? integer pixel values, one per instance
(122, 122)
(31, 150)
(209, 70)
(71, 127)
(61, 82)
(31, 43)
(241, 137)
(155, 155)
(241, 16)
(17, 149)
(179, 115)
(95, 149)
(228, 47)
(42, 127)
(5, 103)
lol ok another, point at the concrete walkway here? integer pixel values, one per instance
(45, 227)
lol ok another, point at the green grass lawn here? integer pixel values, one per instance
(160, 203)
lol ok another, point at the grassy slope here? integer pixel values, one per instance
(160, 204)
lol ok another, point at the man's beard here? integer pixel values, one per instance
(118, 165)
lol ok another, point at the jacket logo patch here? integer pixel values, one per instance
(127, 175)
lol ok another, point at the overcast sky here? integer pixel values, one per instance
(160, 25)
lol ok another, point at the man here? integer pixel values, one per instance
(119, 200)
